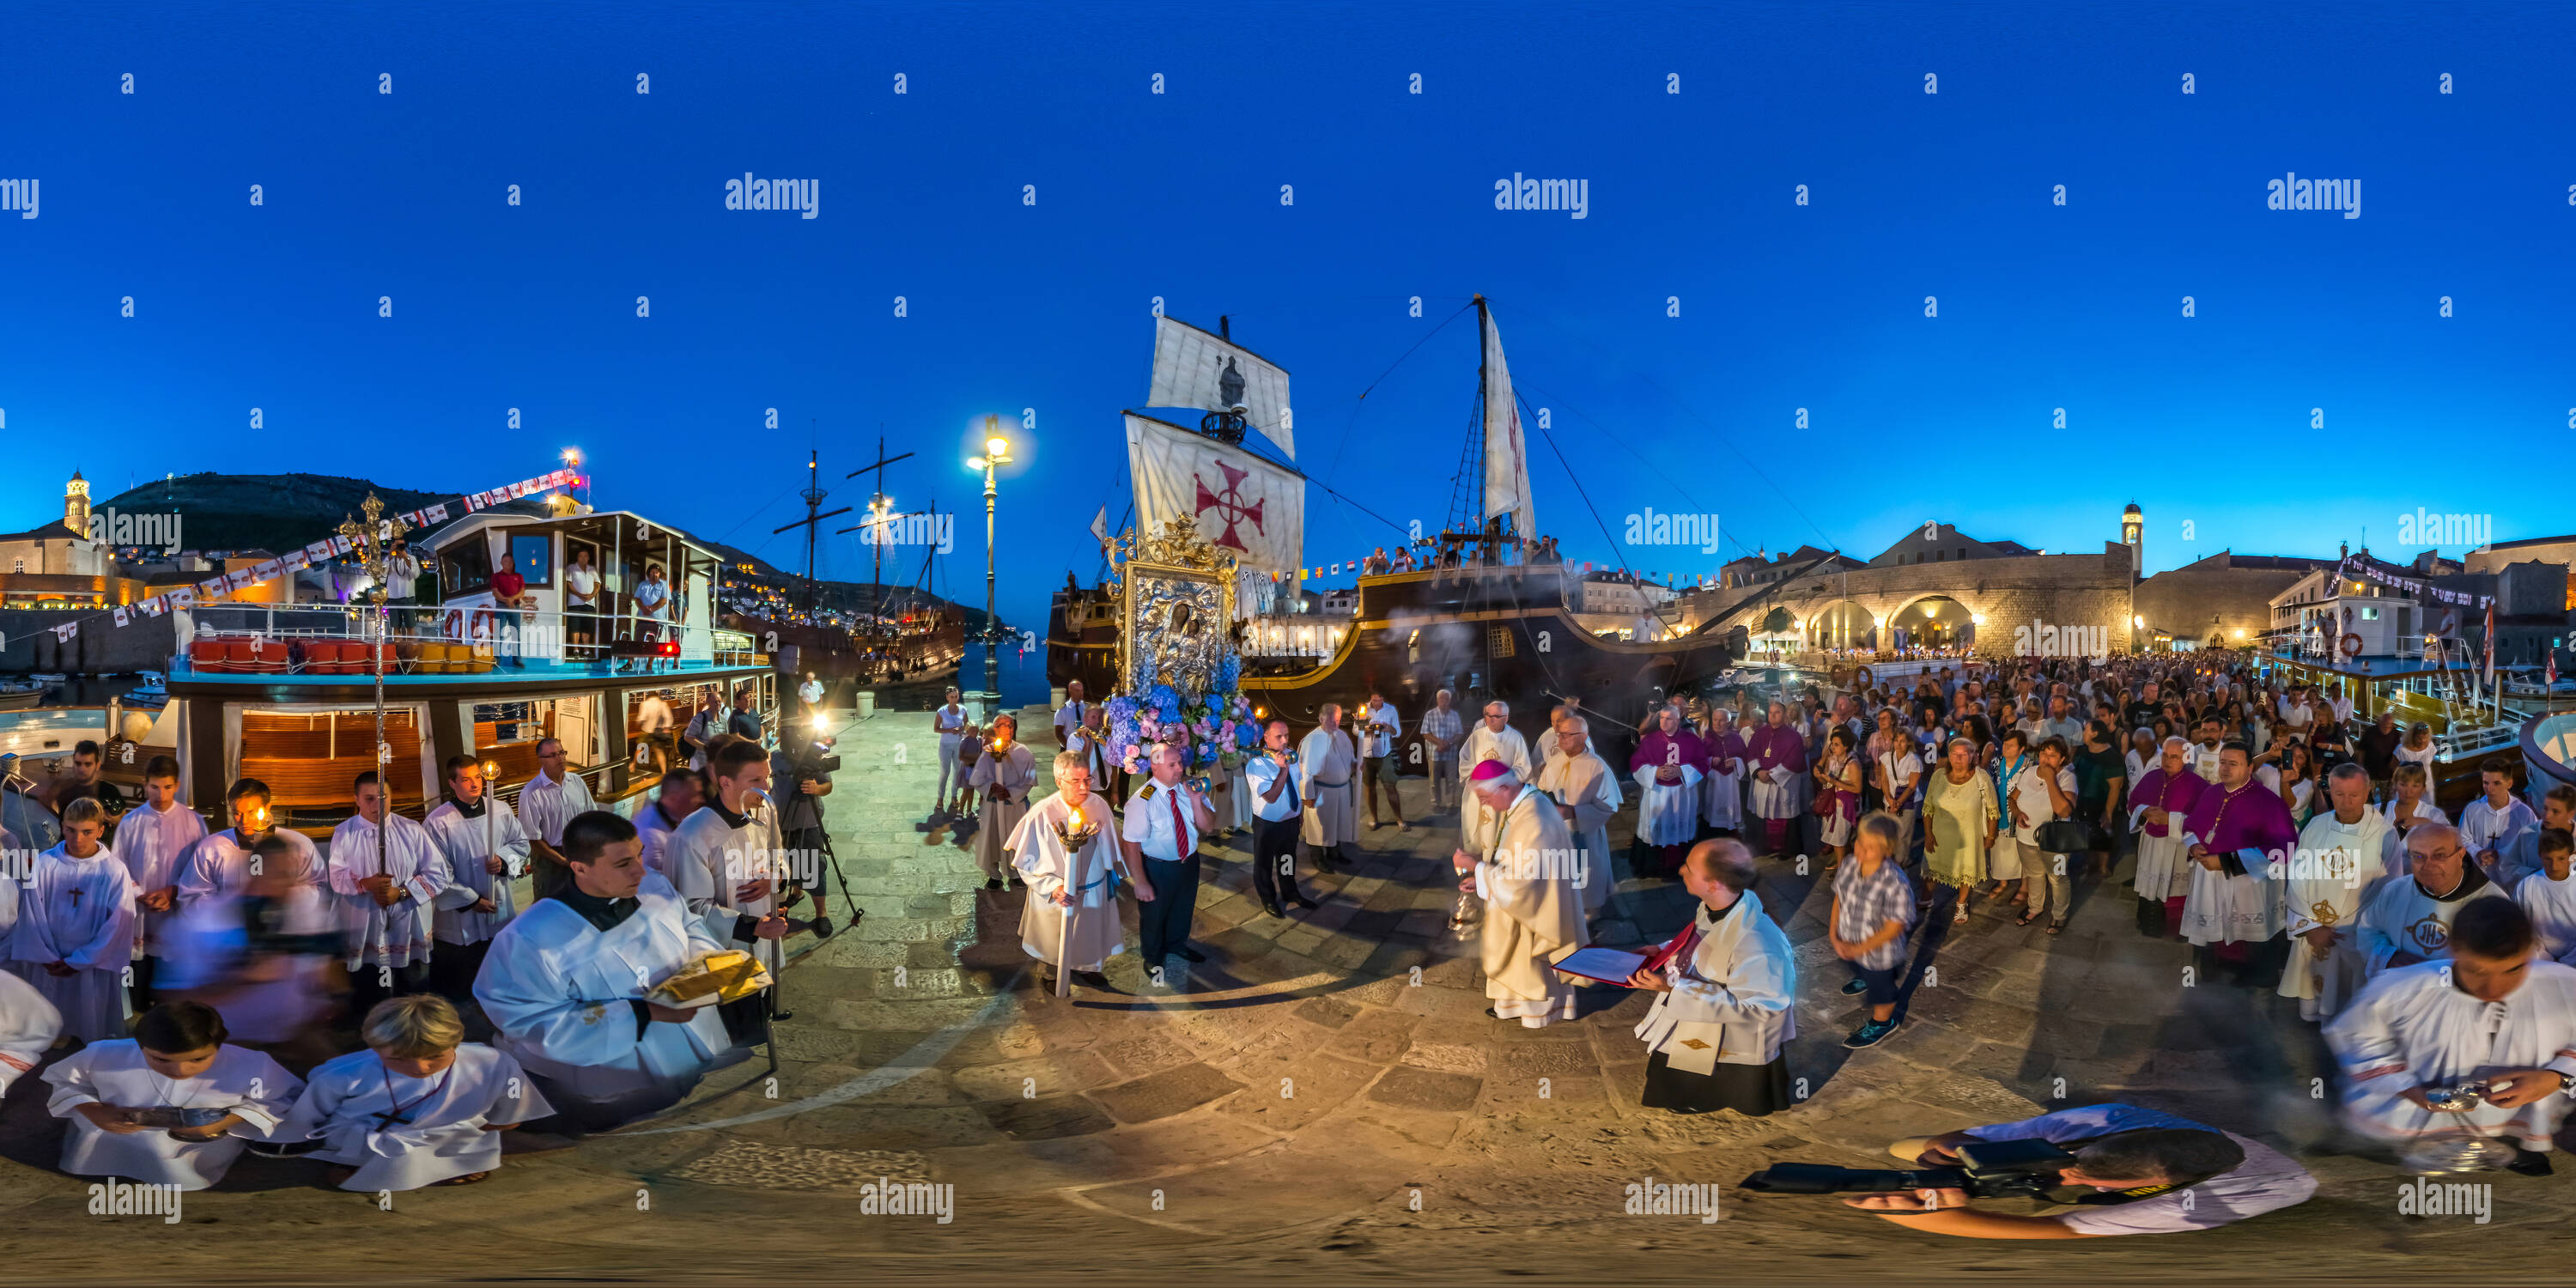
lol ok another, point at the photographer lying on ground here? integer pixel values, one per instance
(2151, 1173)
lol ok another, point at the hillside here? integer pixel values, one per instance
(274, 512)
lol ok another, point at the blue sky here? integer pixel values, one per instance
(2204, 420)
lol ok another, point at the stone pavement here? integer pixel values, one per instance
(1325, 1099)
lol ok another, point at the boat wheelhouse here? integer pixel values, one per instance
(614, 613)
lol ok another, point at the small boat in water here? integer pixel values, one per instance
(19, 697)
(153, 692)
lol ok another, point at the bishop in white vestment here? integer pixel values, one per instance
(1533, 904)
(238, 1083)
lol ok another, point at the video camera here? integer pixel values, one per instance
(1986, 1170)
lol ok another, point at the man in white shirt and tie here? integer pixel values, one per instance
(1069, 716)
(553, 798)
(1164, 821)
(1380, 731)
(1272, 779)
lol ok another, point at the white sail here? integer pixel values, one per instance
(1244, 504)
(1193, 368)
(1507, 485)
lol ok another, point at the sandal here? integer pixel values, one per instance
(470, 1178)
(2057, 927)
(1960, 917)
(2027, 918)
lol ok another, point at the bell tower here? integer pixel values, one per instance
(76, 504)
(2133, 534)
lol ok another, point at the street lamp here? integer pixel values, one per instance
(997, 452)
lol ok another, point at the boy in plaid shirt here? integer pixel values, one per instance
(1873, 905)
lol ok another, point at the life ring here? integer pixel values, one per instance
(2351, 644)
(461, 623)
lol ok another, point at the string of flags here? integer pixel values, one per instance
(320, 552)
(2353, 566)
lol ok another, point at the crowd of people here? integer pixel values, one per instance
(391, 1002)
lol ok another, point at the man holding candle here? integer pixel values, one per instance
(486, 850)
(1063, 851)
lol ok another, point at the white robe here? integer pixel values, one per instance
(1475, 822)
(240, 1081)
(1039, 853)
(467, 844)
(711, 860)
(1015, 773)
(558, 990)
(2552, 905)
(219, 865)
(2332, 876)
(1733, 994)
(2512, 832)
(1586, 783)
(152, 845)
(440, 1132)
(2402, 918)
(381, 935)
(2414, 1027)
(547, 805)
(1327, 757)
(79, 912)
(28, 1026)
(1667, 815)
(1533, 913)
(1722, 795)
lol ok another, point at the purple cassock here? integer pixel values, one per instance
(1660, 748)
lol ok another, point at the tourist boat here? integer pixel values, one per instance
(1478, 618)
(2415, 684)
(290, 694)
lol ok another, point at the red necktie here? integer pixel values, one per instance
(1180, 829)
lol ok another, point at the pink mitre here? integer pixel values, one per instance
(1489, 769)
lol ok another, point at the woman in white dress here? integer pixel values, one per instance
(420, 1106)
(173, 1105)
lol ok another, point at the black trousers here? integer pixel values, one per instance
(452, 968)
(1274, 861)
(1163, 925)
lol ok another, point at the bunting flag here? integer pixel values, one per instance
(2352, 566)
(319, 552)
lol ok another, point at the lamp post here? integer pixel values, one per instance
(997, 451)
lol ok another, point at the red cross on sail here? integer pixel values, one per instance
(1228, 504)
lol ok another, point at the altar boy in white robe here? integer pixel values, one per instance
(152, 840)
(2340, 863)
(1493, 738)
(486, 850)
(220, 865)
(1002, 780)
(385, 898)
(565, 984)
(727, 860)
(1587, 794)
(1533, 907)
(1724, 996)
(1066, 850)
(174, 1105)
(420, 1106)
(28, 1023)
(1328, 766)
(2491, 1014)
(75, 932)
